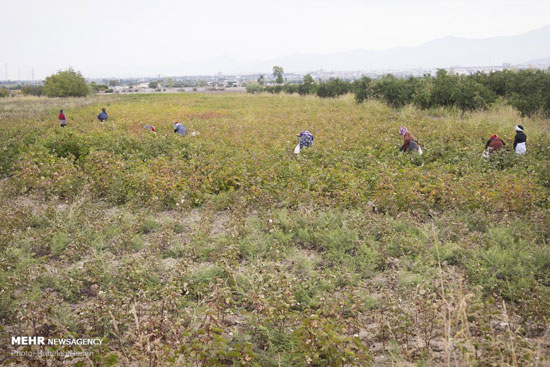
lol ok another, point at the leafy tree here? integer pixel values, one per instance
(333, 88)
(170, 83)
(66, 83)
(274, 89)
(32, 90)
(469, 95)
(362, 89)
(308, 80)
(114, 82)
(98, 87)
(423, 92)
(443, 91)
(278, 72)
(291, 88)
(529, 91)
(396, 92)
(308, 86)
(261, 80)
(153, 85)
(496, 81)
(4, 92)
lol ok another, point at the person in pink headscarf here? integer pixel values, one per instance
(410, 144)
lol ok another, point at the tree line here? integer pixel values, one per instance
(526, 90)
(71, 83)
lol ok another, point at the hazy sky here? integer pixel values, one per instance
(104, 38)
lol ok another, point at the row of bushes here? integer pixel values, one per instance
(526, 90)
(329, 89)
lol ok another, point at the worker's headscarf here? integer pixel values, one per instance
(494, 136)
(403, 130)
(519, 128)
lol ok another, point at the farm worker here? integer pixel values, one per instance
(306, 140)
(493, 144)
(149, 127)
(520, 141)
(62, 119)
(410, 144)
(102, 115)
(179, 128)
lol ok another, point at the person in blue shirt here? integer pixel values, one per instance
(102, 115)
(179, 129)
(306, 139)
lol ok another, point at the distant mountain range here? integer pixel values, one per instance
(545, 61)
(529, 48)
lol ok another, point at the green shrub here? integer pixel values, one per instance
(333, 88)
(321, 343)
(505, 265)
(59, 243)
(67, 144)
(32, 90)
(254, 88)
(394, 91)
(67, 83)
(148, 225)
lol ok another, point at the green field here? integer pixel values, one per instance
(226, 249)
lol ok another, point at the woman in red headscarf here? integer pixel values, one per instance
(494, 143)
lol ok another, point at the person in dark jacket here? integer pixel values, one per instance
(494, 144)
(102, 115)
(520, 141)
(62, 119)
